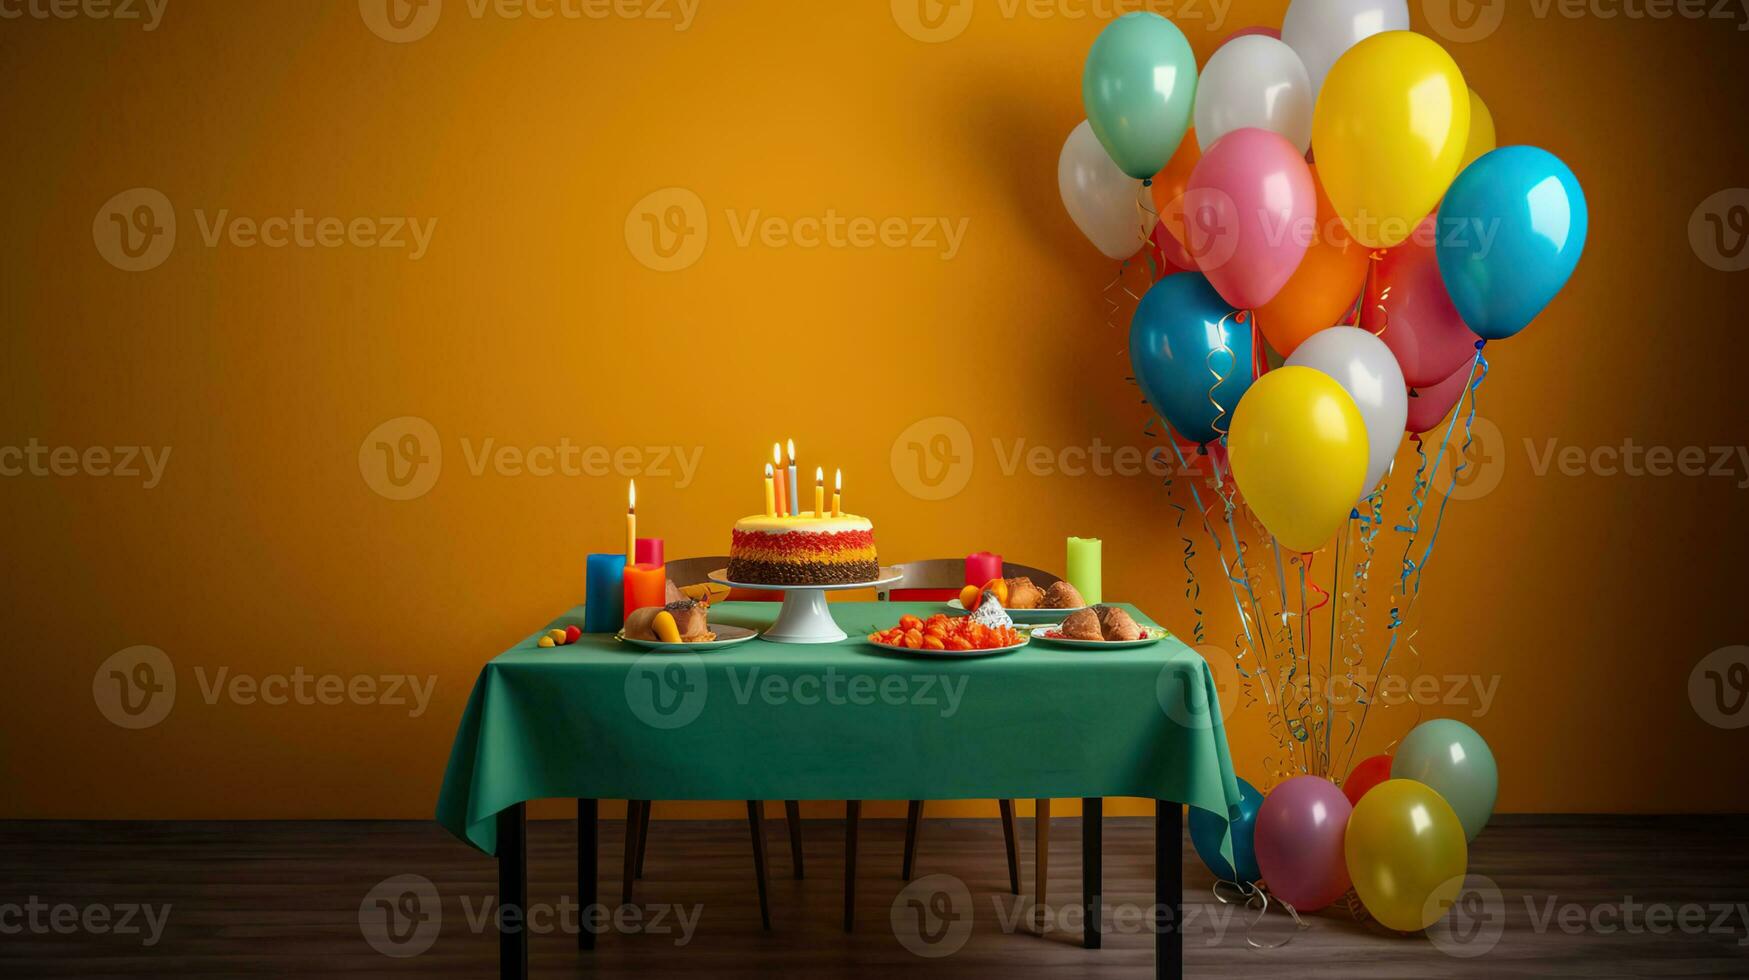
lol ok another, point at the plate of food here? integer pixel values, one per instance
(1023, 601)
(955, 637)
(680, 625)
(1100, 628)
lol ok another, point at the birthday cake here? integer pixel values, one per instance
(803, 550)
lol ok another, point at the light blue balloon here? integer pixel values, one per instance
(1207, 829)
(1453, 760)
(1139, 88)
(1191, 358)
(1511, 231)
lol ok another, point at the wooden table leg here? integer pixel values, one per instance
(1041, 861)
(588, 854)
(1011, 844)
(1168, 890)
(756, 824)
(852, 817)
(634, 824)
(644, 835)
(1092, 870)
(913, 823)
(513, 892)
(792, 815)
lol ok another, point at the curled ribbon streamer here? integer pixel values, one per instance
(1192, 588)
(1372, 267)
(1220, 378)
(1255, 898)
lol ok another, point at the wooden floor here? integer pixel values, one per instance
(297, 899)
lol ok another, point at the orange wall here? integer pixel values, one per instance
(265, 548)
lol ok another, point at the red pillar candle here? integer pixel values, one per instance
(646, 585)
(981, 567)
(649, 551)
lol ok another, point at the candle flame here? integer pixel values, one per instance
(819, 475)
(792, 452)
(776, 454)
(631, 496)
(837, 479)
(768, 471)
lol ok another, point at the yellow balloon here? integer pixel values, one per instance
(1406, 854)
(1299, 451)
(1482, 137)
(1389, 129)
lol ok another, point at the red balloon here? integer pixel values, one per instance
(1408, 307)
(1365, 776)
(1429, 406)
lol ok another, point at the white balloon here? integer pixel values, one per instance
(1368, 371)
(1103, 200)
(1254, 82)
(1321, 31)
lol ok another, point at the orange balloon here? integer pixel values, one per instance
(1169, 187)
(1323, 289)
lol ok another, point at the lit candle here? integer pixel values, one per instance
(631, 522)
(795, 499)
(770, 498)
(782, 489)
(837, 493)
(819, 491)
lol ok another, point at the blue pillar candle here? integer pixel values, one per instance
(604, 600)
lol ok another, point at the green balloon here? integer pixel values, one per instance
(1140, 89)
(1451, 759)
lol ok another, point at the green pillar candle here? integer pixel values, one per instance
(1084, 565)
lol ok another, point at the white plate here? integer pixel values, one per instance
(727, 636)
(1152, 635)
(1025, 615)
(948, 654)
(887, 577)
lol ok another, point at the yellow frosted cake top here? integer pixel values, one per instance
(806, 521)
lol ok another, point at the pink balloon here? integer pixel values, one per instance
(1265, 31)
(1430, 405)
(1407, 300)
(1299, 835)
(1250, 212)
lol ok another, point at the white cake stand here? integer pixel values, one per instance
(805, 616)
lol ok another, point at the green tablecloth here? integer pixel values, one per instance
(605, 720)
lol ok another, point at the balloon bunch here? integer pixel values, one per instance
(1337, 240)
(1397, 832)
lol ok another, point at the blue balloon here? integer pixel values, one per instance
(1191, 358)
(1206, 831)
(1511, 231)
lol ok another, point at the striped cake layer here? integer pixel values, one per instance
(803, 557)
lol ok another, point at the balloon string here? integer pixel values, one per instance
(1478, 374)
(1335, 618)
(1405, 594)
(1256, 898)
(1372, 268)
(1221, 422)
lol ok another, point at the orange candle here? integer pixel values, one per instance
(646, 585)
(819, 491)
(631, 521)
(837, 493)
(782, 491)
